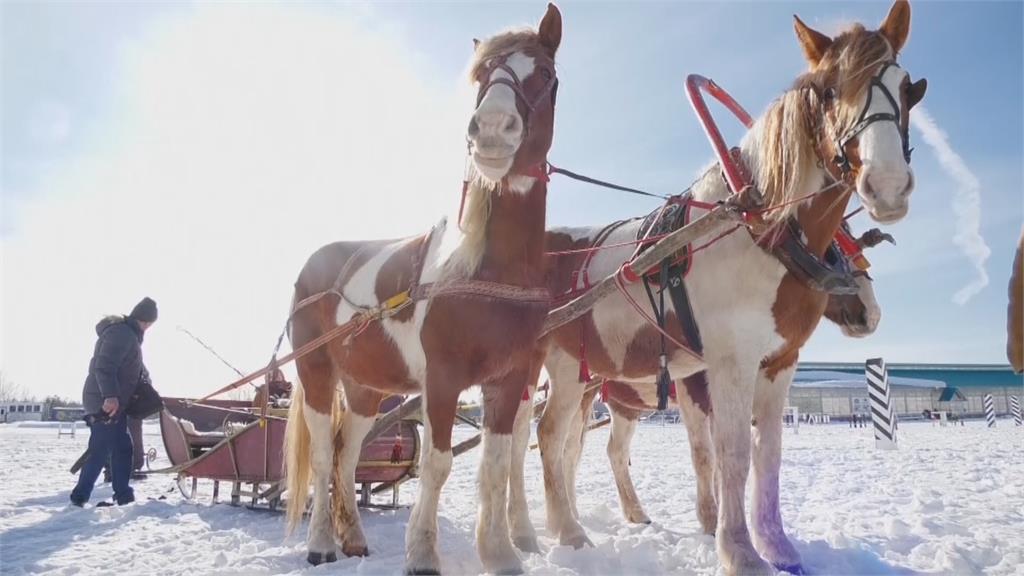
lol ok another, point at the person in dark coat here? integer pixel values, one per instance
(115, 372)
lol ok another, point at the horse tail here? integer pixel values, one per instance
(297, 459)
(298, 452)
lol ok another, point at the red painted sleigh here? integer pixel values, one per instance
(231, 441)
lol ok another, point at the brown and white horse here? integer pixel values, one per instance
(857, 315)
(478, 305)
(841, 129)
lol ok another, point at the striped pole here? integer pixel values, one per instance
(990, 411)
(1015, 409)
(882, 415)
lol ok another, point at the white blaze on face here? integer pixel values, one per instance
(872, 310)
(886, 180)
(496, 129)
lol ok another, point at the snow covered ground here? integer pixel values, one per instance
(950, 501)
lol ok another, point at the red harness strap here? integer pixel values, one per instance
(539, 171)
(851, 249)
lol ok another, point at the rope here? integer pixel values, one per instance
(552, 169)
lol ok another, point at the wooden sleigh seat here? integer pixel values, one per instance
(240, 447)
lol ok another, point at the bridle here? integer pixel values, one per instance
(516, 85)
(864, 120)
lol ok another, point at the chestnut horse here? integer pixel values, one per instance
(477, 304)
(842, 129)
(857, 315)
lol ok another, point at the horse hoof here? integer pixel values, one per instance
(318, 558)
(527, 544)
(577, 542)
(359, 550)
(641, 519)
(509, 572)
(796, 569)
(423, 572)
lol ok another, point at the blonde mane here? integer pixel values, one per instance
(782, 145)
(468, 250)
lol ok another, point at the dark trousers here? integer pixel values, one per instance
(108, 439)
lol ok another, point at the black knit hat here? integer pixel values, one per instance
(144, 311)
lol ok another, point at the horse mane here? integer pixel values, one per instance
(786, 156)
(512, 40)
(468, 252)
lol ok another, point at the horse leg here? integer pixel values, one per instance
(698, 429)
(523, 535)
(439, 406)
(311, 452)
(563, 403)
(769, 401)
(574, 446)
(731, 387)
(362, 411)
(501, 403)
(623, 427)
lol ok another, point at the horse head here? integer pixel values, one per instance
(859, 102)
(511, 129)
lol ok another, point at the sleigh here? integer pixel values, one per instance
(230, 441)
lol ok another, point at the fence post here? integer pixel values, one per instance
(882, 414)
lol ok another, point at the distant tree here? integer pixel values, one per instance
(55, 401)
(9, 391)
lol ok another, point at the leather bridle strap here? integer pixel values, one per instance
(865, 120)
(516, 85)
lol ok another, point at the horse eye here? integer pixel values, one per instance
(830, 94)
(546, 73)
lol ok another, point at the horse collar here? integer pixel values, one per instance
(831, 274)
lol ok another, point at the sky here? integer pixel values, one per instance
(198, 153)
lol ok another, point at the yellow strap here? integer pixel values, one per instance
(396, 300)
(861, 262)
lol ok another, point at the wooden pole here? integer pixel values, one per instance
(404, 412)
(727, 212)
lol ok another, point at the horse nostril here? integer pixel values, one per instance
(909, 187)
(511, 125)
(474, 127)
(869, 190)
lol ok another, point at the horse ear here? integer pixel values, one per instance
(896, 26)
(813, 42)
(476, 44)
(550, 29)
(915, 92)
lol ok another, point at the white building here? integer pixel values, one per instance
(20, 411)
